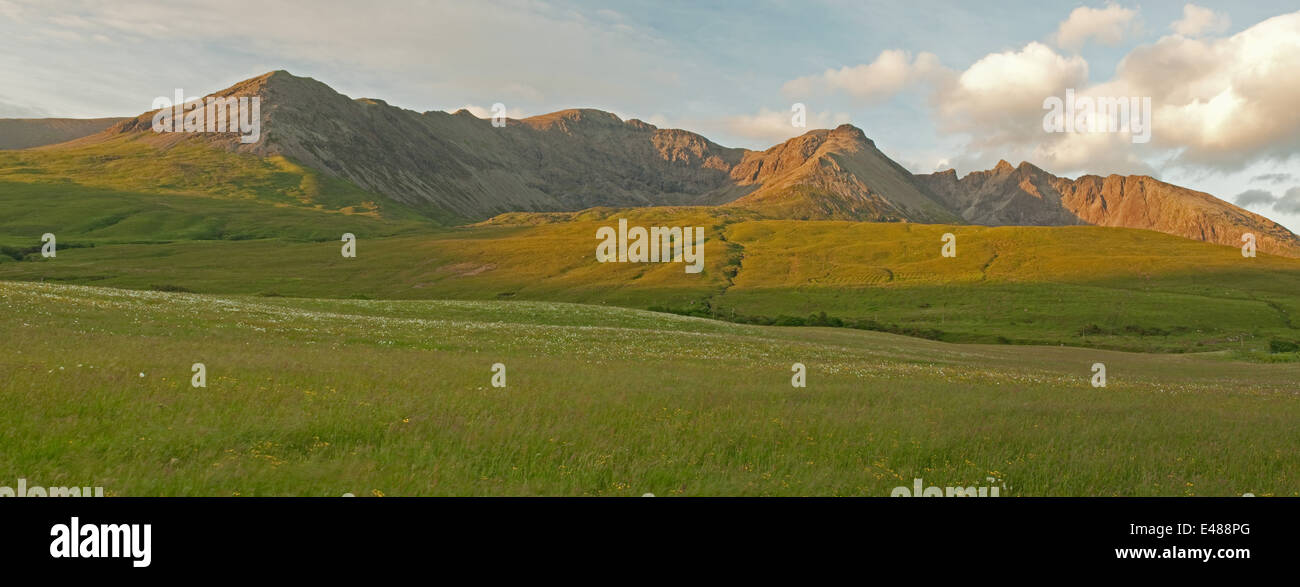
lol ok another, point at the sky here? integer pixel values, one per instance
(936, 84)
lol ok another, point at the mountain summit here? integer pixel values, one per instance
(835, 174)
(1026, 195)
(566, 160)
(455, 165)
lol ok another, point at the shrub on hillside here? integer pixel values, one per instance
(1278, 345)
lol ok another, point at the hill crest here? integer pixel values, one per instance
(460, 165)
(1026, 195)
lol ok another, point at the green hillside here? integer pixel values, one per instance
(1082, 286)
(137, 164)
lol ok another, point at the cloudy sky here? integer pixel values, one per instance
(935, 84)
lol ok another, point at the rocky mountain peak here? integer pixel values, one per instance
(462, 167)
(1028, 195)
(574, 118)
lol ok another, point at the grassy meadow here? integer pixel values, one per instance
(323, 397)
(372, 375)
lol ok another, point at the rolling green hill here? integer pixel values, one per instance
(130, 164)
(1081, 286)
(134, 209)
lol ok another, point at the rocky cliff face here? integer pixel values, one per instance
(1027, 195)
(1138, 201)
(459, 165)
(1004, 195)
(834, 174)
(562, 161)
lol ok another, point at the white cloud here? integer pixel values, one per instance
(891, 72)
(1000, 97)
(1001, 91)
(1218, 104)
(997, 100)
(1108, 26)
(1197, 20)
(775, 126)
(1223, 102)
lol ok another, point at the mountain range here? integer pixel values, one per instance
(22, 133)
(460, 167)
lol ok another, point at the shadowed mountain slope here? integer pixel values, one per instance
(458, 168)
(24, 133)
(562, 161)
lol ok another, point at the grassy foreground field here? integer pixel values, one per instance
(323, 397)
